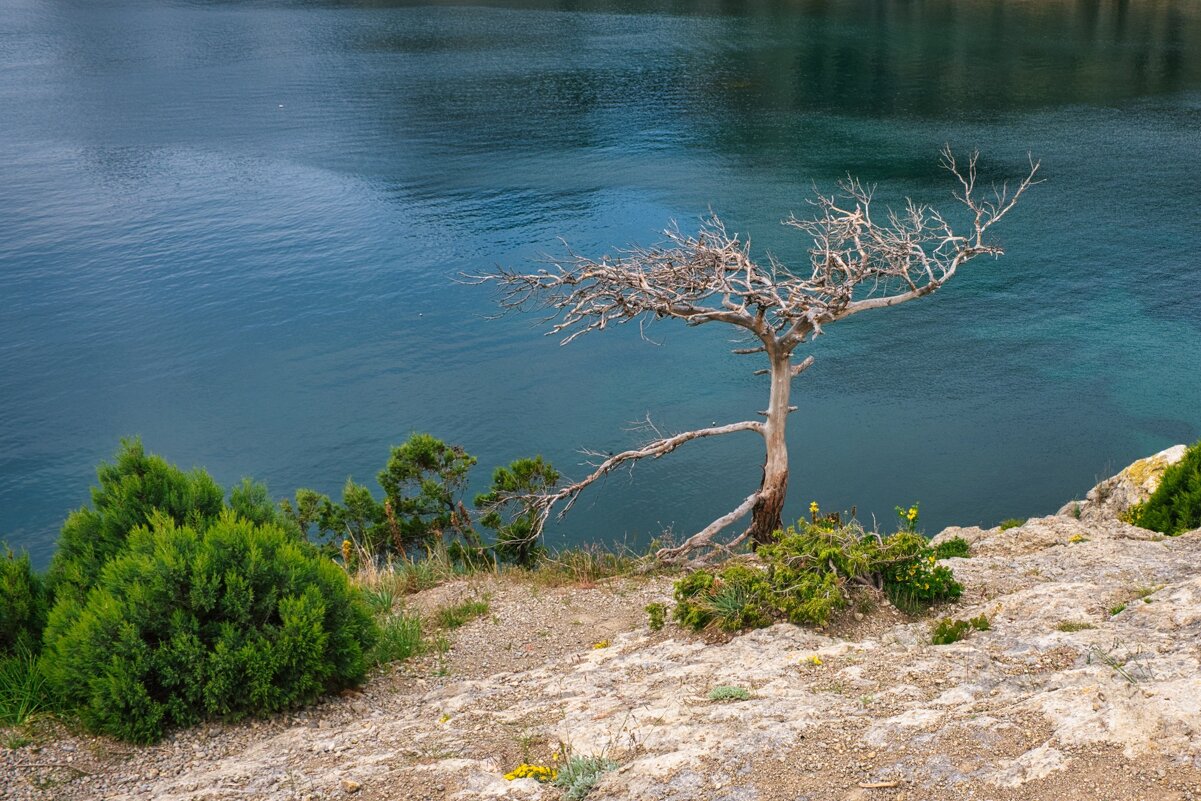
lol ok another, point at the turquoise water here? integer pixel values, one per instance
(233, 228)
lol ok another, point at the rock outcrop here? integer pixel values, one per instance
(1113, 496)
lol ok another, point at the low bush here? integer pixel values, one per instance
(1013, 522)
(656, 615)
(948, 631)
(806, 575)
(1175, 506)
(955, 547)
(23, 605)
(240, 619)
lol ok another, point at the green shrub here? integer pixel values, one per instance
(422, 508)
(1013, 522)
(807, 574)
(947, 631)
(913, 579)
(656, 615)
(23, 605)
(1175, 506)
(956, 547)
(509, 510)
(240, 619)
(131, 490)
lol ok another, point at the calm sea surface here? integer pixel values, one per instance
(233, 229)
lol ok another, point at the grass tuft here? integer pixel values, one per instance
(725, 692)
(453, 617)
(24, 692)
(1073, 625)
(399, 639)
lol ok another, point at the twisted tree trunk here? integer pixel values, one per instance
(766, 516)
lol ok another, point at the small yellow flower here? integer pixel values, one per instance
(601, 644)
(537, 772)
(813, 507)
(445, 717)
(815, 660)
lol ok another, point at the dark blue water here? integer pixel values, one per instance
(232, 228)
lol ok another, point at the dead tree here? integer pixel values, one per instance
(857, 262)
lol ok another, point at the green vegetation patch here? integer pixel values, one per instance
(1175, 506)
(23, 605)
(1012, 522)
(1073, 626)
(947, 631)
(725, 692)
(458, 615)
(23, 688)
(806, 575)
(400, 637)
(955, 547)
(579, 775)
(656, 614)
(240, 619)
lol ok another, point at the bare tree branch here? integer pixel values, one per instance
(704, 537)
(651, 450)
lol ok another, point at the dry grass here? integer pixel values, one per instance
(584, 567)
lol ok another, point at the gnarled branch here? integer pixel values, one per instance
(651, 450)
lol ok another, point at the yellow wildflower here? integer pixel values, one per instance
(813, 507)
(601, 644)
(537, 772)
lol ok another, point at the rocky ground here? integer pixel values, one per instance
(1087, 686)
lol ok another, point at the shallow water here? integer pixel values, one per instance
(233, 228)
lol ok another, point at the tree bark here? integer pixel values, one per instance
(766, 516)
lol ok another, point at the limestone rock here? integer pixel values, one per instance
(1116, 494)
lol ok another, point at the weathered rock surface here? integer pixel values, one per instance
(1116, 494)
(1087, 686)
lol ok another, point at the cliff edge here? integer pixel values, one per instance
(1087, 685)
